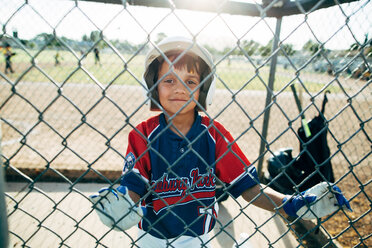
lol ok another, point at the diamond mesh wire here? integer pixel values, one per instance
(66, 112)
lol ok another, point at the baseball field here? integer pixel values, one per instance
(69, 123)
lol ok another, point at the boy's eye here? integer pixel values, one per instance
(191, 82)
(169, 81)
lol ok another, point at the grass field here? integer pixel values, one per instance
(56, 118)
(125, 69)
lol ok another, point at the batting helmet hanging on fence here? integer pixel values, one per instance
(183, 46)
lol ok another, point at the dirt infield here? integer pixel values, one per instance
(80, 132)
(78, 127)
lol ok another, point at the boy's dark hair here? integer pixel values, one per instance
(191, 62)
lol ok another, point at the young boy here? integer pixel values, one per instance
(174, 160)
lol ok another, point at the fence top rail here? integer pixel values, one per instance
(284, 7)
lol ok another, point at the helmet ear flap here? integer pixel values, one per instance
(204, 89)
(207, 89)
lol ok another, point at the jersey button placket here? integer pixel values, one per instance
(182, 146)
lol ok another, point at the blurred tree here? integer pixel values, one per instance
(266, 50)
(311, 46)
(211, 49)
(250, 47)
(288, 49)
(95, 36)
(48, 40)
(124, 46)
(85, 38)
(227, 50)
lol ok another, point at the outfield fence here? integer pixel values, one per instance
(65, 114)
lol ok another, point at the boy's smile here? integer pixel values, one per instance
(173, 94)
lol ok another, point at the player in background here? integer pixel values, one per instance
(8, 54)
(56, 59)
(175, 159)
(97, 59)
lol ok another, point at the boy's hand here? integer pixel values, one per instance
(316, 202)
(116, 209)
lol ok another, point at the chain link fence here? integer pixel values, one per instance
(70, 92)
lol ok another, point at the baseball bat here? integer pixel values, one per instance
(303, 119)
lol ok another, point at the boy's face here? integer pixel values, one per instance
(173, 94)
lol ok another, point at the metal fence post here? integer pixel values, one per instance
(3, 214)
(270, 89)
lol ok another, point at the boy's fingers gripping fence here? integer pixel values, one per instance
(116, 209)
(316, 202)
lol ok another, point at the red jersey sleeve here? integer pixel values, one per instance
(232, 166)
(137, 166)
(231, 161)
(137, 145)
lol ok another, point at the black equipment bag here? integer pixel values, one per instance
(314, 156)
(314, 160)
(313, 164)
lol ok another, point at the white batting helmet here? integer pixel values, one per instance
(180, 44)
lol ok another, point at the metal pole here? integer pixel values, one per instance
(3, 214)
(269, 95)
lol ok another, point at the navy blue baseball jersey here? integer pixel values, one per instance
(177, 176)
